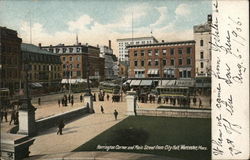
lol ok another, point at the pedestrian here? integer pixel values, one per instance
(81, 98)
(115, 114)
(16, 121)
(72, 102)
(59, 102)
(39, 101)
(108, 97)
(60, 127)
(194, 101)
(200, 103)
(102, 110)
(1, 115)
(5, 115)
(72, 97)
(12, 117)
(69, 100)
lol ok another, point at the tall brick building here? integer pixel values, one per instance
(162, 60)
(76, 59)
(10, 60)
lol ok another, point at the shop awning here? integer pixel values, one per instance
(38, 85)
(135, 82)
(146, 83)
(185, 83)
(74, 81)
(153, 71)
(127, 82)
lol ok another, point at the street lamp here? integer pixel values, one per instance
(87, 73)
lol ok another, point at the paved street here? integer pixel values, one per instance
(77, 132)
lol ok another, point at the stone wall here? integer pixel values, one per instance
(189, 113)
(52, 121)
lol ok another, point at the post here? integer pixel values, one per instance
(131, 103)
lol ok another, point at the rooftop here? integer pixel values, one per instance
(137, 38)
(25, 47)
(162, 43)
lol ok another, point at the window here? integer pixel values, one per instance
(179, 50)
(137, 42)
(185, 73)
(201, 42)
(188, 61)
(57, 50)
(142, 53)
(135, 53)
(78, 73)
(164, 62)
(164, 51)
(150, 52)
(135, 63)
(171, 51)
(142, 63)
(202, 65)
(189, 49)
(149, 62)
(156, 52)
(180, 61)
(64, 50)
(202, 55)
(64, 58)
(172, 62)
(189, 73)
(78, 66)
(70, 50)
(156, 62)
(71, 58)
(70, 66)
(180, 74)
(78, 58)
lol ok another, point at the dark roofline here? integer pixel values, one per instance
(163, 43)
(61, 46)
(137, 38)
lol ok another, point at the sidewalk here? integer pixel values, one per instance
(78, 132)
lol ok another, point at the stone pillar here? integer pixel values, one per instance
(131, 103)
(27, 122)
(88, 100)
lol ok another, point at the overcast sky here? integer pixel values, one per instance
(97, 21)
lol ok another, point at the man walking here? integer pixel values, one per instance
(12, 117)
(39, 101)
(200, 103)
(115, 114)
(102, 110)
(81, 98)
(60, 127)
(59, 102)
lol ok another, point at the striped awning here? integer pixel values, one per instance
(135, 82)
(153, 71)
(146, 83)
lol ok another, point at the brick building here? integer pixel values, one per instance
(44, 67)
(76, 59)
(165, 60)
(10, 60)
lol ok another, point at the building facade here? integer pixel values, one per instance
(202, 37)
(10, 60)
(79, 59)
(45, 68)
(123, 43)
(171, 60)
(111, 67)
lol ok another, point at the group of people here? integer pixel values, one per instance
(65, 100)
(13, 117)
(181, 101)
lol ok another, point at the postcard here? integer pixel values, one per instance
(124, 80)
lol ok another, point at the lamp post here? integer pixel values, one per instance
(27, 124)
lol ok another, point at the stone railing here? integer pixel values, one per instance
(189, 113)
(15, 146)
(52, 121)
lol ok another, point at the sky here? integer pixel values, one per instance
(97, 21)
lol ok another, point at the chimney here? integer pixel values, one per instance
(97, 45)
(79, 43)
(209, 18)
(109, 44)
(40, 45)
(162, 41)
